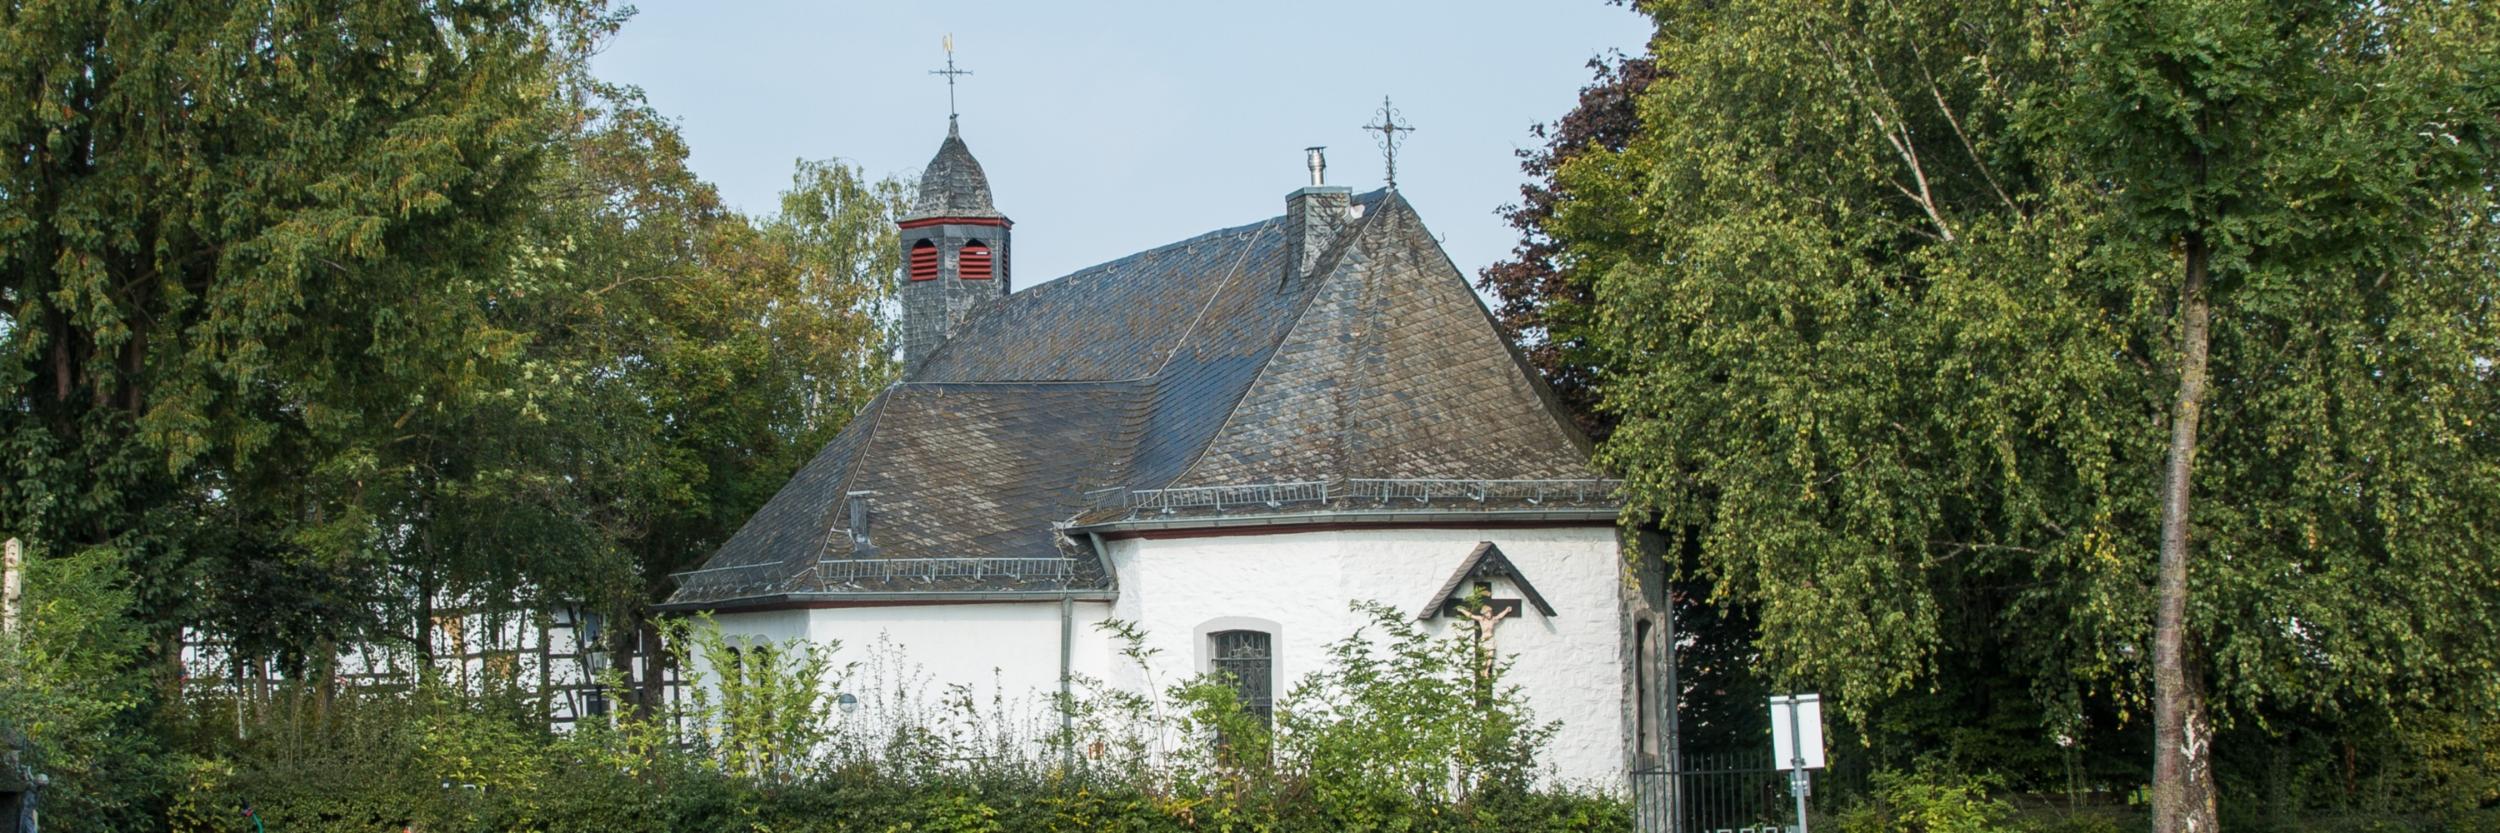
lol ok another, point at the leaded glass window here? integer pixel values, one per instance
(1244, 658)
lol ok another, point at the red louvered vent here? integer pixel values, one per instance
(974, 263)
(924, 261)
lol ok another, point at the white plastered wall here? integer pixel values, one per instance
(1298, 587)
(1569, 665)
(1005, 654)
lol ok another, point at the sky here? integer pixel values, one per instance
(1108, 128)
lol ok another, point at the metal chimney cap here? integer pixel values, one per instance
(1319, 163)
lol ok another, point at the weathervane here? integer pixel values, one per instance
(950, 72)
(1387, 123)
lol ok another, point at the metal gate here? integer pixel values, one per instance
(1714, 794)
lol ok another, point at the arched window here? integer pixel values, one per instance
(924, 261)
(1249, 666)
(973, 263)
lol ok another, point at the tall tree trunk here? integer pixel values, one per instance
(652, 684)
(546, 657)
(2183, 793)
(425, 624)
(325, 680)
(618, 633)
(172, 674)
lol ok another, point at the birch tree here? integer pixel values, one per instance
(2158, 333)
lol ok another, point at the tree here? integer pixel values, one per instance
(1548, 309)
(314, 318)
(694, 357)
(1894, 304)
(1540, 305)
(2305, 167)
(319, 319)
(67, 688)
(242, 247)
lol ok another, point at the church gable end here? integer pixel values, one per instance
(1392, 370)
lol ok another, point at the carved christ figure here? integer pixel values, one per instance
(1487, 617)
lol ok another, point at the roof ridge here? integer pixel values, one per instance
(1301, 309)
(1364, 200)
(1551, 405)
(993, 306)
(1345, 240)
(942, 384)
(1105, 266)
(1230, 276)
(851, 472)
(1537, 385)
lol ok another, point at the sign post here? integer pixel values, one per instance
(1797, 744)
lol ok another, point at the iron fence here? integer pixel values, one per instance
(1531, 492)
(1261, 497)
(844, 571)
(1722, 794)
(1221, 498)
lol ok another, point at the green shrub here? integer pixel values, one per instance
(758, 710)
(72, 690)
(1403, 732)
(1931, 801)
(1400, 724)
(2075, 822)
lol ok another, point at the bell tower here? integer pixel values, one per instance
(955, 249)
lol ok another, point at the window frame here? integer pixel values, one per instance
(1257, 649)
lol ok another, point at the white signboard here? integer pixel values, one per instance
(1797, 731)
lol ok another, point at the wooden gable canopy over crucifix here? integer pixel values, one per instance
(1483, 565)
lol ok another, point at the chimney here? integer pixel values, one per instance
(1313, 216)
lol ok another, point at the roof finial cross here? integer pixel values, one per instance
(950, 72)
(1386, 122)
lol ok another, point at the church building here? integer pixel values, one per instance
(1226, 441)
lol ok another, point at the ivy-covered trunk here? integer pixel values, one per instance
(2183, 795)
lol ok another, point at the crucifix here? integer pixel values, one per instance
(1482, 609)
(1386, 122)
(950, 72)
(1486, 612)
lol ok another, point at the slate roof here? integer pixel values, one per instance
(953, 185)
(1199, 363)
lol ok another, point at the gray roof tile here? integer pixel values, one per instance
(1196, 363)
(953, 184)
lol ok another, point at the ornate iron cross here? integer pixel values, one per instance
(1387, 124)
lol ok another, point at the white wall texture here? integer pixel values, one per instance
(1297, 585)
(1570, 666)
(900, 660)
